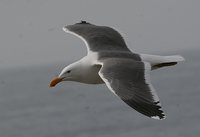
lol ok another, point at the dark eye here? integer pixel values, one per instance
(68, 71)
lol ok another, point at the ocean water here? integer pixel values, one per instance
(29, 108)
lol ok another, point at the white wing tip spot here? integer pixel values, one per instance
(158, 118)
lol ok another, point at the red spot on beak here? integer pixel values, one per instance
(55, 81)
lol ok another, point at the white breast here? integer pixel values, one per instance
(90, 70)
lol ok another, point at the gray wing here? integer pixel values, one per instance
(130, 81)
(97, 37)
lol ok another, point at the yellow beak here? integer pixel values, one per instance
(55, 81)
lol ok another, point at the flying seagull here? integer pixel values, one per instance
(109, 61)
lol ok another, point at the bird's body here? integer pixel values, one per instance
(109, 61)
(89, 70)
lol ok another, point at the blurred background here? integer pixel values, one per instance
(33, 49)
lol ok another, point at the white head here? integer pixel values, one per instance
(72, 72)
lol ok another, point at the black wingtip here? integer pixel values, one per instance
(83, 22)
(151, 110)
(161, 116)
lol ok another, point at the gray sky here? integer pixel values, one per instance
(31, 30)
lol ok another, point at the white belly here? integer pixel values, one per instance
(90, 70)
(91, 76)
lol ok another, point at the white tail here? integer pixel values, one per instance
(161, 61)
(174, 58)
